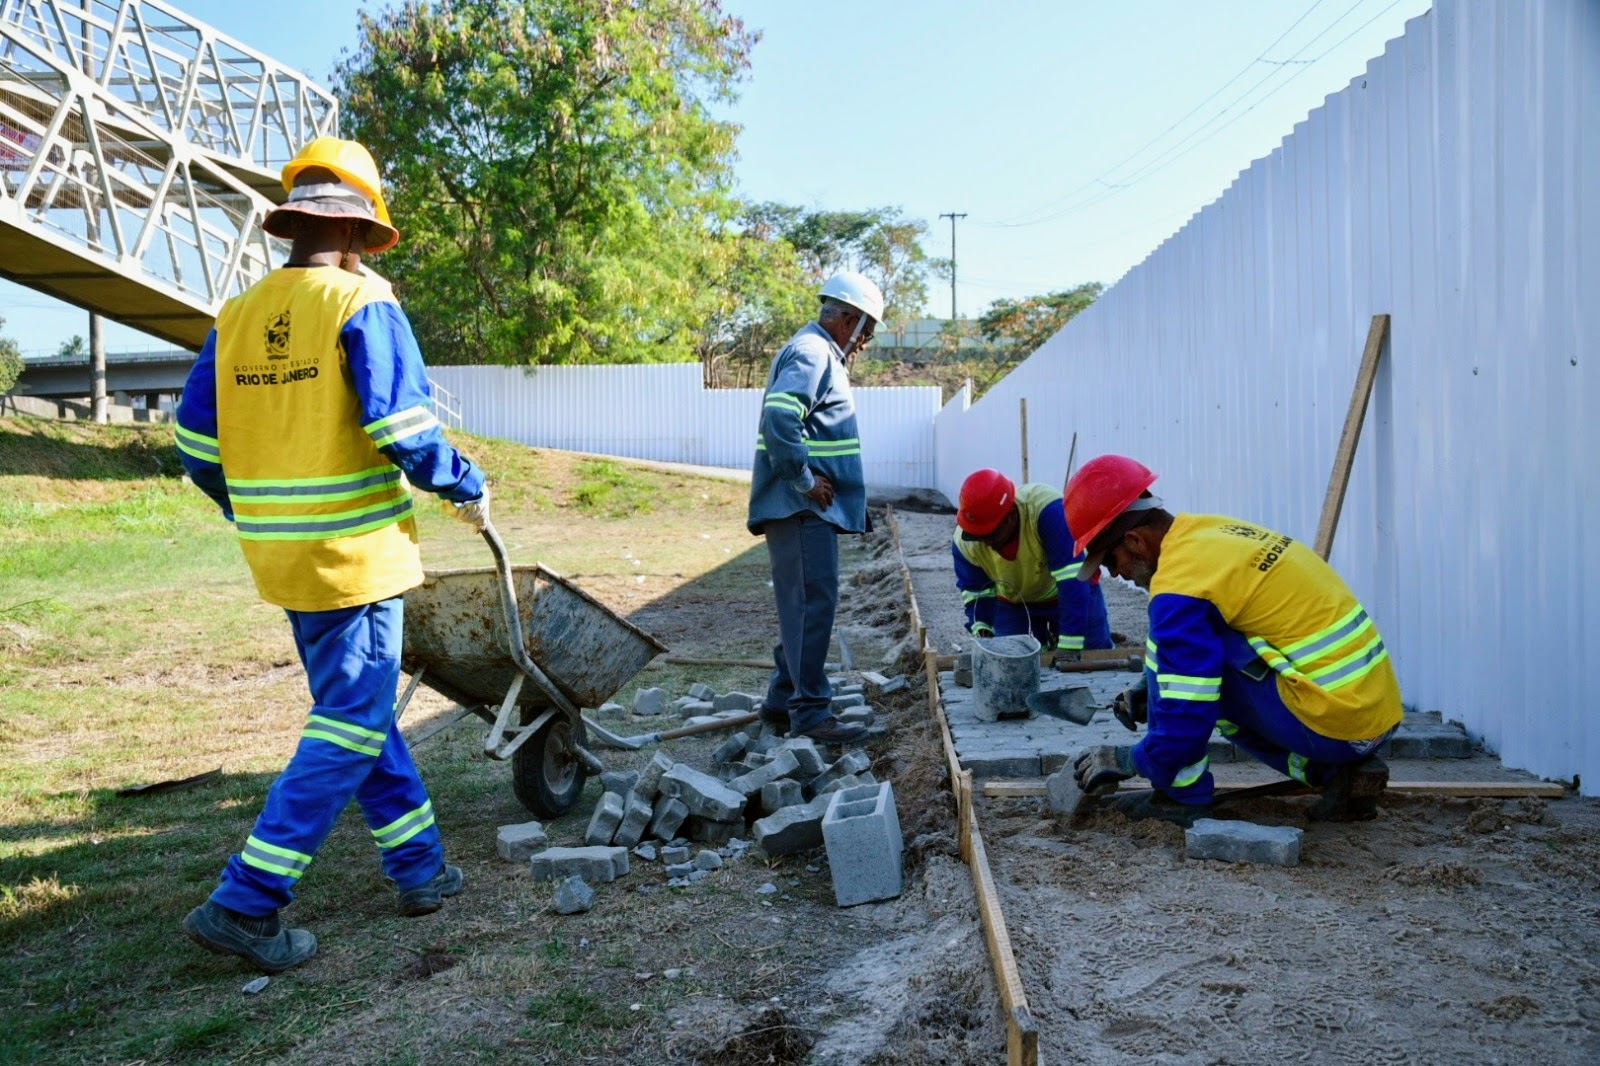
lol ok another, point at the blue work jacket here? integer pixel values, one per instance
(808, 427)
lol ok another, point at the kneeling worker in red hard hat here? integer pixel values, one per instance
(1017, 570)
(305, 416)
(1251, 634)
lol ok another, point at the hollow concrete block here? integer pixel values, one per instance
(861, 830)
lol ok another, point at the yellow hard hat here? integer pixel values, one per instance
(357, 194)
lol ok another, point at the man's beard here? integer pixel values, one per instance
(1141, 573)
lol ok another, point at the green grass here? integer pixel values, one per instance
(133, 649)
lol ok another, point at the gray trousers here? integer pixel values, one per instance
(804, 551)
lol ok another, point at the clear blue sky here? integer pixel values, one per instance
(1076, 136)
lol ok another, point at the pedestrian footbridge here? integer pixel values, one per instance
(139, 150)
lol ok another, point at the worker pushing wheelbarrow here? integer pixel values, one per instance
(524, 649)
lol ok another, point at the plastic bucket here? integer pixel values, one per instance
(1005, 672)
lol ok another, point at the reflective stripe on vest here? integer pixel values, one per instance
(273, 859)
(1067, 573)
(1308, 657)
(782, 401)
(323, 526)
(973, 597)
(313, 489)
(405, 827)
(823, 449)
(1187, 687)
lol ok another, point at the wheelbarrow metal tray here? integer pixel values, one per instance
(453, 627)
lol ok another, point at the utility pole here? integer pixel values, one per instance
(952, 216)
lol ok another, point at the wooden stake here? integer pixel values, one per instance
(1344, 458)
(1023, 404)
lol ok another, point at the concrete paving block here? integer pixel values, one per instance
(735, 701)
(765, 741)
(697, 875)
(792, 829)
(888, 687)
(854, 699)
(753, 760)
(811, 761)
(782, 765)
(704, 795)
(674, 854)
(711, 830)
(517, 843)
(1425, 735)
(861, 830)
(696, 709)
(597, 865)
(852, 715)
(681, 702)
(701, 691)
(840, 784)
(1053, 758)
(849, 688)
(1273, 845)
(701, 719)
(649, 784)
(875, 732)
(647, 852)
(732, 748)
(649, 702)
(619, 781)
(679, 869)
(1219, 750)
(573, 896)
(1061, 792)
(605, 820)
(708, 860)
(666, 817)
(776, 795)
(610, 710)
(636, 814)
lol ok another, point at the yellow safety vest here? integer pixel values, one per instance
(324, 518)
(1027, 578)
(1333, 669)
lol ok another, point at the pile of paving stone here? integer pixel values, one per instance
(774, 788)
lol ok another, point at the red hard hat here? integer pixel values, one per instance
(986, 499)
(1100, 491)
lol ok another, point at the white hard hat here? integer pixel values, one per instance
(858, 291)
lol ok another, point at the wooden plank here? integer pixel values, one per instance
(1022, 404)
(1022, 1037)
(1022, 787)
(1344, 458)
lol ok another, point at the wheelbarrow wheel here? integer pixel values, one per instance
(546, 773)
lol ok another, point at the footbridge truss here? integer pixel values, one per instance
(139, 150)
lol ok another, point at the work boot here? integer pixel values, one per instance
(430, 895)
(263, 941)
(833, 731)
(1142, 805)
(1351, 794)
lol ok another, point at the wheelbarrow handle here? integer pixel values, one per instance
(513, 620)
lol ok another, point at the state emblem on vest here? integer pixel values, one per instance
(277, 339)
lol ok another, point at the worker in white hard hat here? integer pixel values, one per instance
(305, 417)
(807, 487)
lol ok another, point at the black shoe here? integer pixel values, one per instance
(1351, 794)
(834, 731)
(263, 941)
(430, 895)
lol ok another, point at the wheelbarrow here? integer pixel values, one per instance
(523, 648)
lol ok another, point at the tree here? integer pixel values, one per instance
(880, 242)
(562, 189)
(764, 297)
(10, 362)
(72, 349)
(1029, 322)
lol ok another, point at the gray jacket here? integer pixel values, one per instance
(808, 423)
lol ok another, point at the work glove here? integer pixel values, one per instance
(474, 513)
(1132, 705)
(1099, 770)
(1065, 654)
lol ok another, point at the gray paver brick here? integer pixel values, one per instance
(735, 701)
(812, 761)
(704, 795)
(518, 843)
(1229, 841)
(792, 829)
(649, 783)
(605, 820)
(636, 815)
(666, 817)
(712, 831)
(595, 865)
(776, 795)
(648, 702)
(783, 765)
(731, 749)
(573, 896)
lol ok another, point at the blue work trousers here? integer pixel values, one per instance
(804, 550)
(350, 748)
(1253, 716)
